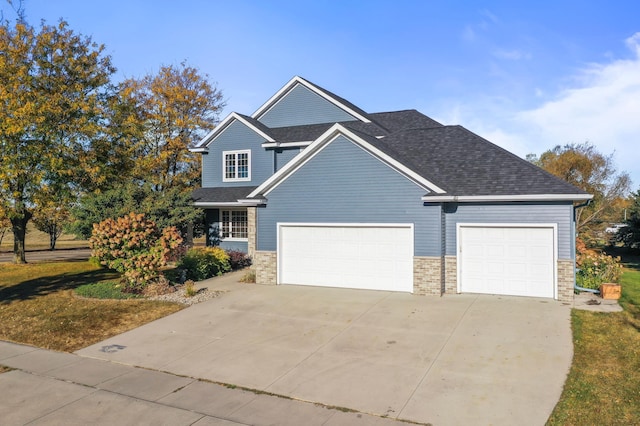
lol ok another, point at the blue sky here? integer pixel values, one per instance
(525, 77)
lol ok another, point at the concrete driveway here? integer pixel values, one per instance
(460, 359)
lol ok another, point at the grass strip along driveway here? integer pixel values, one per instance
(38, 306)
(603, 386)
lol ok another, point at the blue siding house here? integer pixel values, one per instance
(320, 192)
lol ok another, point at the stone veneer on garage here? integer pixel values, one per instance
(265, 265)
(451, 274)
(566, 280)
(426, 274)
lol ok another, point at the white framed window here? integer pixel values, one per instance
(236, 166)
(233, 225)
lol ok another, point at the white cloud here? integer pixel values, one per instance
(601, 104)
(603, 108)
(633, 43)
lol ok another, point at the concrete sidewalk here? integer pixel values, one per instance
(54, 388)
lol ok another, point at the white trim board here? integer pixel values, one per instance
(220, 204)
(286, 144)
(498, 198)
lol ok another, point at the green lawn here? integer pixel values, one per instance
(603, 386)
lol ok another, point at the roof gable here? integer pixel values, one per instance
(257, 127)
(300, 102)
(362, 140)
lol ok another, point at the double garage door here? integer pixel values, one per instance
(516, 260)
(362, 256)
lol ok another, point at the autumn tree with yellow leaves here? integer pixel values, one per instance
(153, 122)
(585, 167)
(53, 87)
(173, 110)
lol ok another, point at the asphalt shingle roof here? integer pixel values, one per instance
(465, 164)
(258, 125)
(338, 98)
(407, 119)
(221, 194)
(453, 158)
(306, 133)
(311, 132)
(381, 124)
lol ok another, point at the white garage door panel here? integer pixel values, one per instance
(518, 261)
(352, 256)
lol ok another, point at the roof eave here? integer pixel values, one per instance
(239, 203)
(286, 144)
(499, 198)
(199, 149)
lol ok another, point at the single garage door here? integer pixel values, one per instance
(363, 256)
(509, 260)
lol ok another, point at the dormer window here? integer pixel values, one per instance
(236, 166)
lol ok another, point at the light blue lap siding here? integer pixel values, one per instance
(302, 106)
(236, 137)
(345, 184)
(284, 156)
(560, 213)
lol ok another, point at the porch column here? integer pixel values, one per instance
(251, 232)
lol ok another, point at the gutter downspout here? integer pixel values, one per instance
(575, 284)
(443, 249)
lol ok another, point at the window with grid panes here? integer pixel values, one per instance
(233, 224)
(236, 166)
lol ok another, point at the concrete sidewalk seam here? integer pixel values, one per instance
(60, 380)
(96, 389)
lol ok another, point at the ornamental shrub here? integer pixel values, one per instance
(595, 268)
(134, 246)
(238, 259)
(202, 263)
